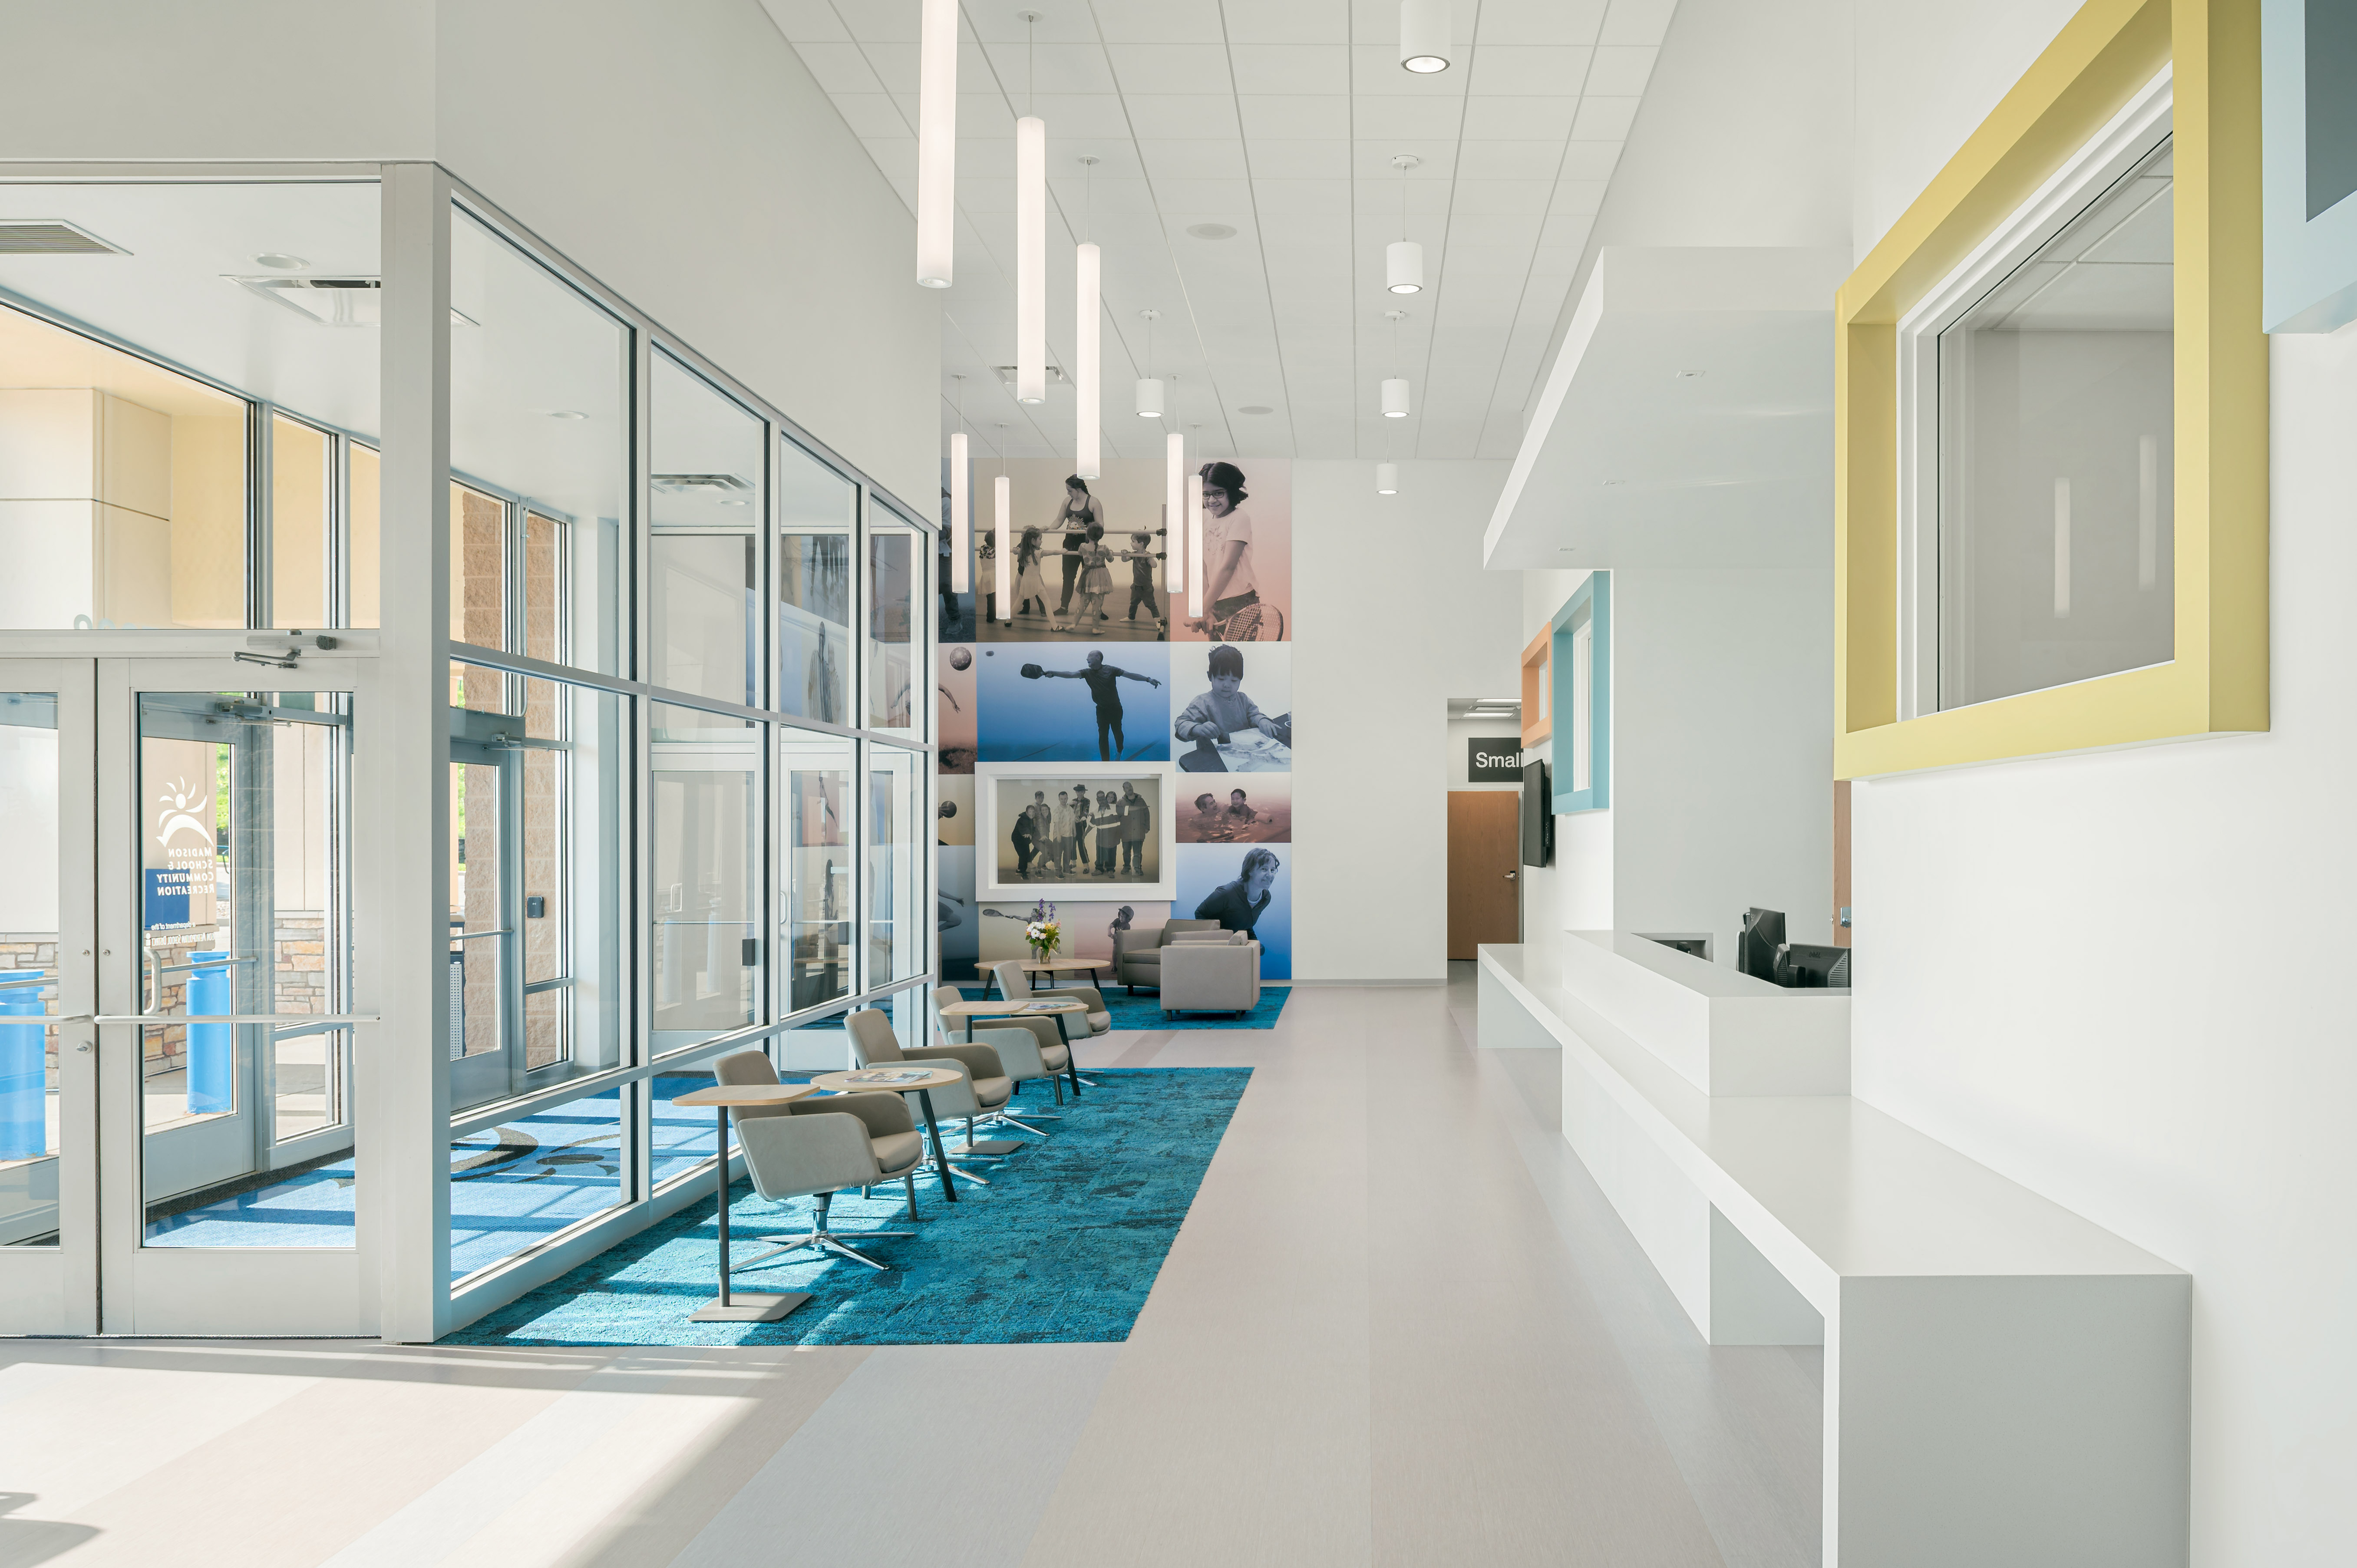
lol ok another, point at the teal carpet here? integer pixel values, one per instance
(1144, 1011)
(1061, 1246)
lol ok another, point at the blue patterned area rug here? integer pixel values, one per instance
(1061, 1247)
(1144, 1011)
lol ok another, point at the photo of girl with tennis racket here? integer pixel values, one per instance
(1246, 566)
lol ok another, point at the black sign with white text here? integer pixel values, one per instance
(1496, 759)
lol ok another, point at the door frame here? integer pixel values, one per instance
(148, 1290)
(54, 1289)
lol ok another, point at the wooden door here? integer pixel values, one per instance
(1484, 869)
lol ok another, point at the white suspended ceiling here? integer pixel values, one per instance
(1277, 119)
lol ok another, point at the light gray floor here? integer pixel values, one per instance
(1400, 1326)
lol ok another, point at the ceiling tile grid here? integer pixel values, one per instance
(1244, 190)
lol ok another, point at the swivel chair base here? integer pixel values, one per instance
(823, 1239)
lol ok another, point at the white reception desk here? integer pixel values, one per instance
(2005, 1380)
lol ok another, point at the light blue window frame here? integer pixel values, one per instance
(1589, 607)
(2311, 259)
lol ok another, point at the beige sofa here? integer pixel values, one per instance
(1138, 955)
(1211, 974)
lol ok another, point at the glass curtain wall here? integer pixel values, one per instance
(670, 807)
(185, 447)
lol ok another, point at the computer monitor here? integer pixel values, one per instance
(1809, 966)
(1756, 944)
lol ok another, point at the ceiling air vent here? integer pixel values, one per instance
(51, 237)
(703, 484)
(332, 302)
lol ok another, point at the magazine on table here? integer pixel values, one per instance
(1042, 1007)
(890, 1075)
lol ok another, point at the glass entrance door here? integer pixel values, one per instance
(48, 1244)
(226, 1034)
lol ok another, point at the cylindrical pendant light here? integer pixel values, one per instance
(1003, 498)
(1396, 398)
(1194, 544)
(1174, 510)
(1086, 263)
(1404, 266)
(1031, 259)
(1423, 36)
(1149, 390)
(937, 32)
(960, 517)
(1387, 478)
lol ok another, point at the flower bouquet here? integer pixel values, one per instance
(1041, 933)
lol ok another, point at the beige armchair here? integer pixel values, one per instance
(1138, 955)
(982, 1089)
(1200, 975)
(1017, 986)
(1022, 1057)
(1055, 1053)
(815, 1148)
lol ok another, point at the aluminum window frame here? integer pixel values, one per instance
(2142, 124)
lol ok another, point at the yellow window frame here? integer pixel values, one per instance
(2217, 683)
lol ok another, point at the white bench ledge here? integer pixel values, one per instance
(1826, 1187)
(2006, 1381)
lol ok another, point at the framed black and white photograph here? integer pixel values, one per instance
(1075, 829)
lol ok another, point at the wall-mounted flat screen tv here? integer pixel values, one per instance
(1538, 816)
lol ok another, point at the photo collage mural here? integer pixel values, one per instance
(1100, 747)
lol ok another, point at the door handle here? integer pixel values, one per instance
(1510, 875)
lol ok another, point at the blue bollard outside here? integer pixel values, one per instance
(24, 1075)
(212, 1048)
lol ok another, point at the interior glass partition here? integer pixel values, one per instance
(704, 552)
(29, 1108)
(818, 511)
(894, 592)
(704, 929)
(814, 909)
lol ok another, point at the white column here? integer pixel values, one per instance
(403, 965)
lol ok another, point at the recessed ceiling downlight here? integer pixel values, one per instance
(566, 414)
(1255, 408)
(1212, 231)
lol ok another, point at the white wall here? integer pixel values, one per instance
(1722, 750)
(1393, 616)
(2121, 978)
(680, 153)
(1722, 759)
(242, 80)
(1742, 137)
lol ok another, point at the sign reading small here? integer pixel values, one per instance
(1492, 761)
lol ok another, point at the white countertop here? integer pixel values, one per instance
(1699, 975)
(1727, 1033)
(1827, 1188)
